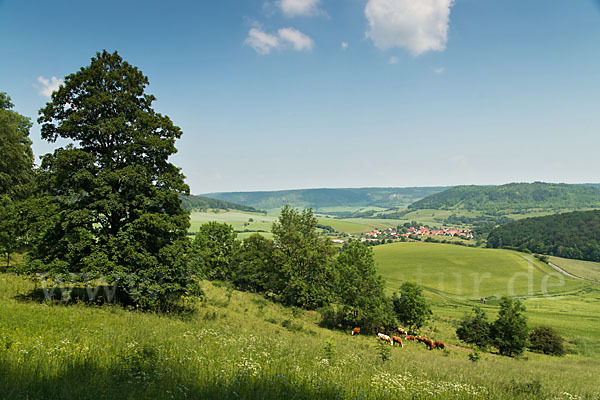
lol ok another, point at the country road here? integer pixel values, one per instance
(562, 271)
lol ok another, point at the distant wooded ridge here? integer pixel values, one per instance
(569, 235)
(200, 203)
(513, 198)
(322, 198)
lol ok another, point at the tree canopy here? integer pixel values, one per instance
(304, 261)
(411, 307)
(510, 332)
(16, 156)
(113, 194)
(569, 235)
(16, 172)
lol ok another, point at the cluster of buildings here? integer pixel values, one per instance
(420, 231)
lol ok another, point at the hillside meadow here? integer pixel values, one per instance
(455, 278)
(583, 269)
(239, 345)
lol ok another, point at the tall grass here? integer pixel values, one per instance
(238, 345)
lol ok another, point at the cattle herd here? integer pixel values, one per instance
(392, 340)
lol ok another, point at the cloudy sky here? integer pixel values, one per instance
(280, 94)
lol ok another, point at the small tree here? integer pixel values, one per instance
(475, 328)
(359, 289)
(216, 247)
(254, 270)
(303, 260)
(545, 339)
(411, 307)
(509, 332)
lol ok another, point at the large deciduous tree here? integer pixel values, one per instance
(16, 171)
(16, 156)
(115, 195)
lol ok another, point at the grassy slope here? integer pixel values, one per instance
(244, 347)
(454, 270)
(571, 306)
(233, 218)
(262, 222)
(583, 269)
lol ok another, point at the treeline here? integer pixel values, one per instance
(200, 203)
(299, 268)
(512, 198)
(480, 220)
(321, 198)
(570, 235)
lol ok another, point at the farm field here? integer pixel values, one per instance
(451, 273)
(240, 221)
(234, 218)
(236, 344)
(583, 269)
(470, 273)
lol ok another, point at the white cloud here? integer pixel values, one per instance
(344, 45)
(417, 26)
(438, 70)
(297, 39)
(48, 85)
(263, 42)
(297, 8)
(393, 60)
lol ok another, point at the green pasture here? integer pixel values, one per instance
(346, 226)
(470, 273)
(239, 345)
(239, 220)
(583, 269)
(456, 277)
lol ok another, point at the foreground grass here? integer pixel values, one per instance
(238, 345)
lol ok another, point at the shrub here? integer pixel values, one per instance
(475, 329)
(509, 332)
(545, 339)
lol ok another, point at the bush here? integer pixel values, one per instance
(510, 332)
(545, 339)
(411, 307)
(475, 329)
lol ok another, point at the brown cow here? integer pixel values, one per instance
(439, 345)
(397, 339)
(409, 337)
(428, 343)
(401, 331)
(420, 339)
(355, 331)
(385, 338)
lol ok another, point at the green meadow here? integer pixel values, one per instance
(239, 220)
(583, 269)
(470, 273)
(239, 345)
(457, 277)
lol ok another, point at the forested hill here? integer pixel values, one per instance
(513, 198)
(201, 203)
(570, 235)
(321, 198)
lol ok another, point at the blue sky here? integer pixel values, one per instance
(281, 94)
